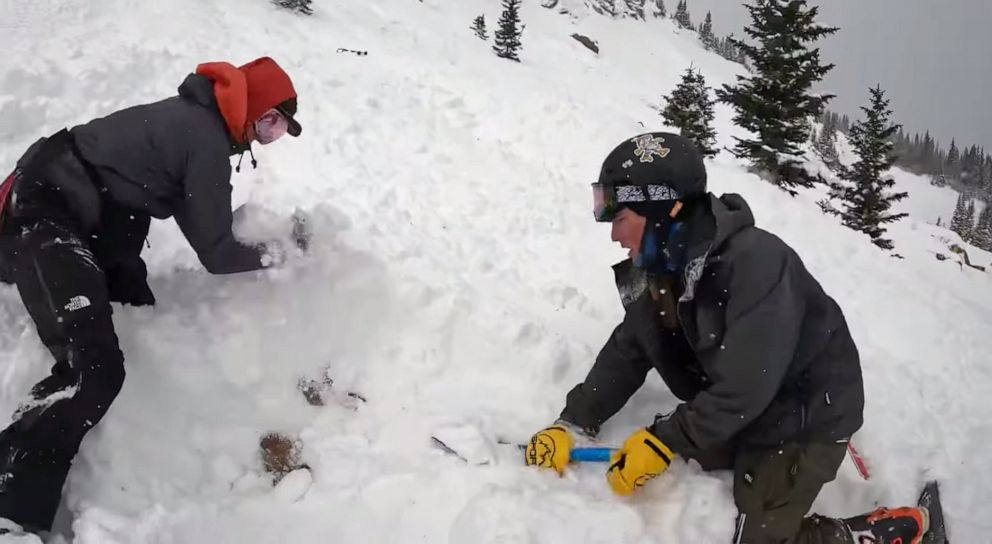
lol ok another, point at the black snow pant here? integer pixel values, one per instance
(65, 291)
(775, 488)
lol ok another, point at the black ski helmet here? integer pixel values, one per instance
(657, 158)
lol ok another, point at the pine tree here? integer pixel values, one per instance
(479, 27)
(509, 32)
(776, 102)
(740, 56)
(961, 221)
(969, 234)
(987, 178)
(866, 201)
(982, 233)
(706, 32)
(826, 145)
(902, 149)
(928, 154)
(938, 180)
(299, 6)
(635, 8)
(660, 10)
(690, 109)
(952, 164)
(682, 17)
(723, 48)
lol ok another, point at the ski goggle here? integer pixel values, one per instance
(609, 198)
(271, 126)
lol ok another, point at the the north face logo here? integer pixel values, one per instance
(77, 303)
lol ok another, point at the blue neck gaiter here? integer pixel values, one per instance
(663, 248)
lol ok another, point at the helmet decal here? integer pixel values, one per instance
(648, 146)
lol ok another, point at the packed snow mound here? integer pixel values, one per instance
(456, 281)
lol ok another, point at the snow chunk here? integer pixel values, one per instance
(294, 486)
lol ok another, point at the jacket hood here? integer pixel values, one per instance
(268, 86)
(245, 93)
(712, 224)
(198, 89)
(732, 215)
(230, 89)
(712, 221)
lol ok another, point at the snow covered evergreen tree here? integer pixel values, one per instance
(479, 27)
(866, 201)
(939, 179)
(635, 8)
(659, 9)
(982, 233)
(299, 6)
(509, 32)
(725, 48)
(706, 32)
(682, 17)
(776, 102)
(740, 56)
(969, 233)
(825, 144)
(722, 47)
(952, 164)
(986, 178)
(961, 222)
(690, 108)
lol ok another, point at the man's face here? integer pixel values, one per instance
(628, 229)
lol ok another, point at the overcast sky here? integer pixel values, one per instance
(933, 57)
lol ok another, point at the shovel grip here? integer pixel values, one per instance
(590, 455)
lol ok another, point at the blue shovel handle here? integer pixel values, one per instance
(591, 455)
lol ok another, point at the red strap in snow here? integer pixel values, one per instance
(859, 462)
(5, 188)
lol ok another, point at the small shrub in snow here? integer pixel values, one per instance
(280, 455)
(299, 6)
(479, 27)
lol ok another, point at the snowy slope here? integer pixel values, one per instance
(457, 279)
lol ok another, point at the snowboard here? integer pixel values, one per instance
(930, 499)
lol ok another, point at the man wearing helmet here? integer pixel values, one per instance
(742, 334)
(74, 215)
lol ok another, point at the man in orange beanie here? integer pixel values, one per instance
(74, 216)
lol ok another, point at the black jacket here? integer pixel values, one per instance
(759, 353)
(171, 159)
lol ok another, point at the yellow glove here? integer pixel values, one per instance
(641, 458)
(550, 448)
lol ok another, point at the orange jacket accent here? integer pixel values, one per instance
(231, 92)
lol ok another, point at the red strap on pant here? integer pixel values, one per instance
(5, 188)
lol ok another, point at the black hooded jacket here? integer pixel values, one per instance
(759, 354)
(171, 159)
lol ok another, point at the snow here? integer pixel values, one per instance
(456, 280)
